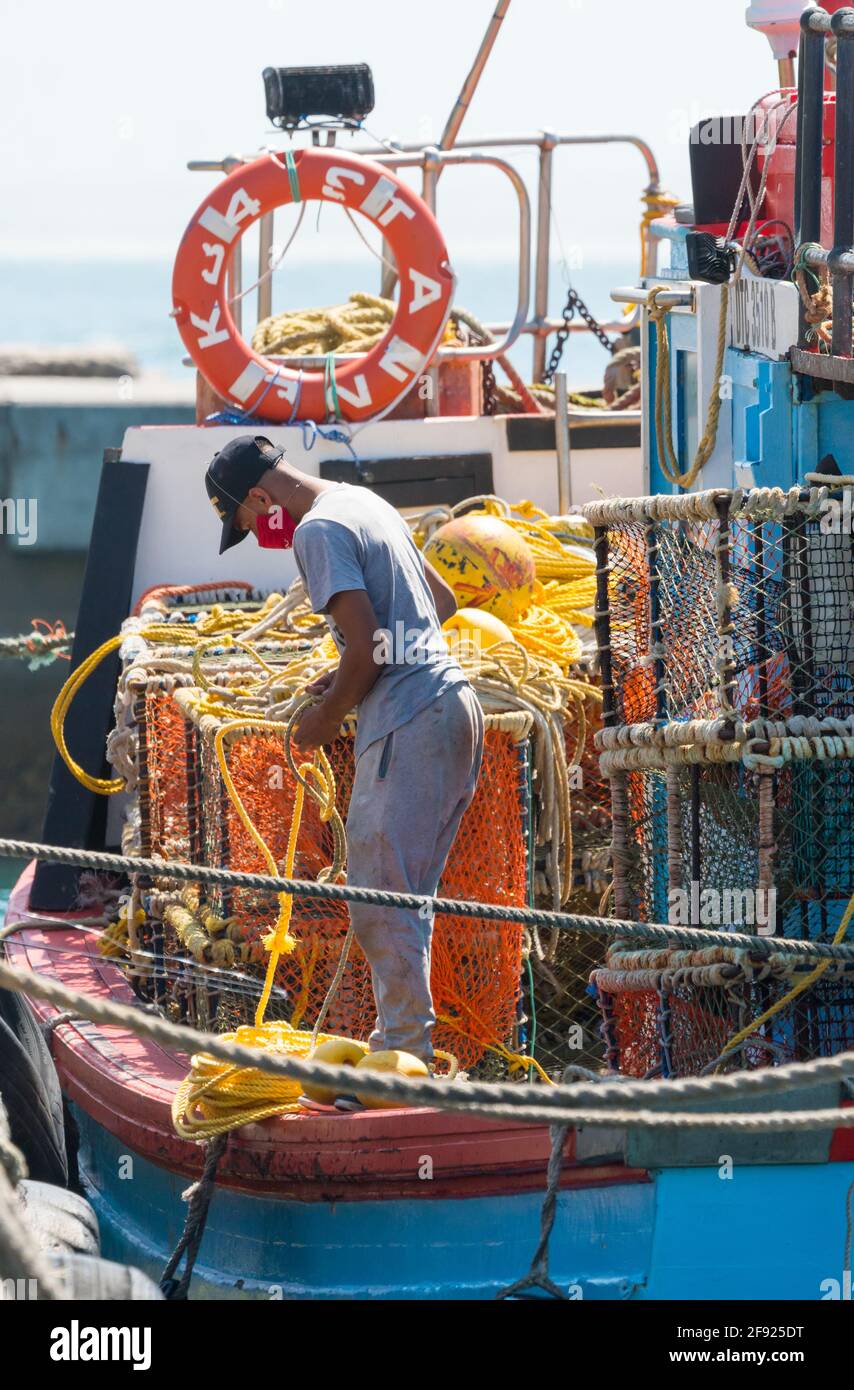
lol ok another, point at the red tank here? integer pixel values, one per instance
(780, 186)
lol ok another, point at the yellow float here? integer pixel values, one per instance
(472, 629)
(401, 1063)
(488, 565)
(338, 1052)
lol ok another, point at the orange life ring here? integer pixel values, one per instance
(358, 390)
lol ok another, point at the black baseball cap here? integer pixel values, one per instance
(232, 472)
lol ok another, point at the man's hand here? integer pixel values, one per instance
(316, 726)
(322, 684)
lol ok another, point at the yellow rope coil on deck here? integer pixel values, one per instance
(356, 326)
(215, 1097)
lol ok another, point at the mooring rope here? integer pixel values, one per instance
(538, 1275)
(760, 946)
(603, 1104)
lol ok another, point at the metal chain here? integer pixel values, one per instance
(487, 376)
(574, 304)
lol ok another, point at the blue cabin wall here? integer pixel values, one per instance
(775, 427)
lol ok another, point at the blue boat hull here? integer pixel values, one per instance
(767, 1232)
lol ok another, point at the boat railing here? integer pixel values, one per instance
(432, 161)
(816, 28)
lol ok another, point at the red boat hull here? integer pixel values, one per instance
(126, 1084)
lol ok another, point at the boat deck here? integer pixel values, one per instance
(126, 1085)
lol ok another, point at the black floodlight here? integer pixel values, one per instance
(299, 96)
(709, 258)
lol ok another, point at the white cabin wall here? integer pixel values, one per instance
(179, 534)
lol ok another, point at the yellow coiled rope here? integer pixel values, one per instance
(171, 634)
(215, 1097)
(356, 326)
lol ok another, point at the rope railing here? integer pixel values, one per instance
(760, 947)
(605, 1103)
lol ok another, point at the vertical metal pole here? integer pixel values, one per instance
(602, 626)
(564, 463)
(799, 139)
(541, 279)
(812, 100)
(461, 106)
(655, 621)
(266, 233)
(786, 72)
(696, 832)
(814, 25)
(842, 25)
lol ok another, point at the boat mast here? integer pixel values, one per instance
(455, 120)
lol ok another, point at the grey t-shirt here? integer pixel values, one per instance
(352, 539)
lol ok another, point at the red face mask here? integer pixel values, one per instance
(276, 529)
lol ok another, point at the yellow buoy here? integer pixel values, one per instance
(487, 563)
(472, 629)
(338, 1052)
(402, 1063)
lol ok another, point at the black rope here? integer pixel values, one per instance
(538, 1275)
(199, 1195)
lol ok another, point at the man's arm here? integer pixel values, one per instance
(358, 671)
(443, 594)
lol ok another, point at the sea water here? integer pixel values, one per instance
(127, 303)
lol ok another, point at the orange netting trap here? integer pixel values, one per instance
(476, 965)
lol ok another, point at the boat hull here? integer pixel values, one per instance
(414, 1248)
(418, 1204)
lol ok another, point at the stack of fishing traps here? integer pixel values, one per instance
(725, 624)
(198, 950)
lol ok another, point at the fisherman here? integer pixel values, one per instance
(419, 736)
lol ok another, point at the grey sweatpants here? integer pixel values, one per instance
(408, 798)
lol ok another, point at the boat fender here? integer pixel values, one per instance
(472, 629)
(30, 1090)
(59, 1220)
(338, 1052)
(86, 1278)
(367, 385)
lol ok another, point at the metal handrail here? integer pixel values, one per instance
(431, 161)
(540, 326)
(816, 27)
(667, 299)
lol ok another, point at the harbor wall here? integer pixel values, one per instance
(51, 451)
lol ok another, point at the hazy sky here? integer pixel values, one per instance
(103, 103)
